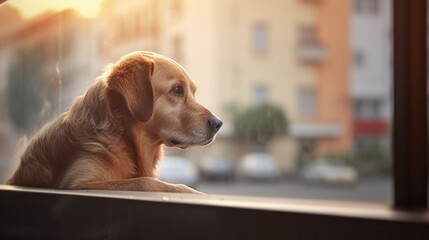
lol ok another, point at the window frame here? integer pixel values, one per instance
(410, 131)
(82, 214)
(33, 213)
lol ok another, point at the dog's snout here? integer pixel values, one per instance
(214, 123)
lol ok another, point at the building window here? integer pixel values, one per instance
(370, 7)
(309, 49)
(260, 95)
(368, 109)
(260, 43)
(358, 59)
(306, 102)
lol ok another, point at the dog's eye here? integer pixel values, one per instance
(178, 91)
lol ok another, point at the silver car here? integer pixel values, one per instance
(258, 166)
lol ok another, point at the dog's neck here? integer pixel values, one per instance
(148, 151)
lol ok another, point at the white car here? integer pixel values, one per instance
(178, 170)
(323, 171)
(258, 166)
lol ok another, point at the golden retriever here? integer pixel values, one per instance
(112, 137)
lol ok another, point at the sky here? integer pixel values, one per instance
(32, 8)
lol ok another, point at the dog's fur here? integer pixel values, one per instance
(112, 137)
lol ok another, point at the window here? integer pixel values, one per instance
(306, 102)
(318, 100)
(260, 95)
(309, 48)
(370, 7)
(368, 108)
(260, 41)
(300, 116)
(359, 59)
(342, 153)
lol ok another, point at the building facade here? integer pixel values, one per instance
(333, 76)
(301, 55)
(371, 72)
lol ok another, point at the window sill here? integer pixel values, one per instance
(43, 213)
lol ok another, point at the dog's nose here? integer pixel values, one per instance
(214, 123)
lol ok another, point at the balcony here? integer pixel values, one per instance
(315, 130)
(311, 53)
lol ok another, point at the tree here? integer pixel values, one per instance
(259, 124)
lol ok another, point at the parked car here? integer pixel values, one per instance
(216, 168)
(323, 171)
(258, 166)
(178, 170)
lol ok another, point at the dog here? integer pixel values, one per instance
(112, 137)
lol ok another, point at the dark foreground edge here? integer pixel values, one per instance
(50, 214)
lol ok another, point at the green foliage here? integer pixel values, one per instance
(367, 160)
(259, 124)
(372, 157)
(26, 91)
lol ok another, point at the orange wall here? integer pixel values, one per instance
(333, 73)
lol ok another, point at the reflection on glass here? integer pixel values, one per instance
(303, 86)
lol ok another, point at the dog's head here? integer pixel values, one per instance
(160, 96)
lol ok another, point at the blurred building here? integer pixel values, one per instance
(353, 93)
(64, 42)
(291, 53)
(371, 71)
(330, 132)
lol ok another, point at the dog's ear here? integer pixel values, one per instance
(131, 78)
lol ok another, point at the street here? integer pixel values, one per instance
(376, 190)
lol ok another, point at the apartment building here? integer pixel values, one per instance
(333, 91)
(354, 80)
(371, 71)
(291, 53)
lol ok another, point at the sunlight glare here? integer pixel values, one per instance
(32, 8)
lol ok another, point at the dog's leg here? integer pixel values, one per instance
(145, 184)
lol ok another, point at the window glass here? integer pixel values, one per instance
(311, 119)
(306, 102)
(260, 95)
(370, 7)
(260, 38)
(358, 59)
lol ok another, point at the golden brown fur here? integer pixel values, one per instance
(112, 137)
